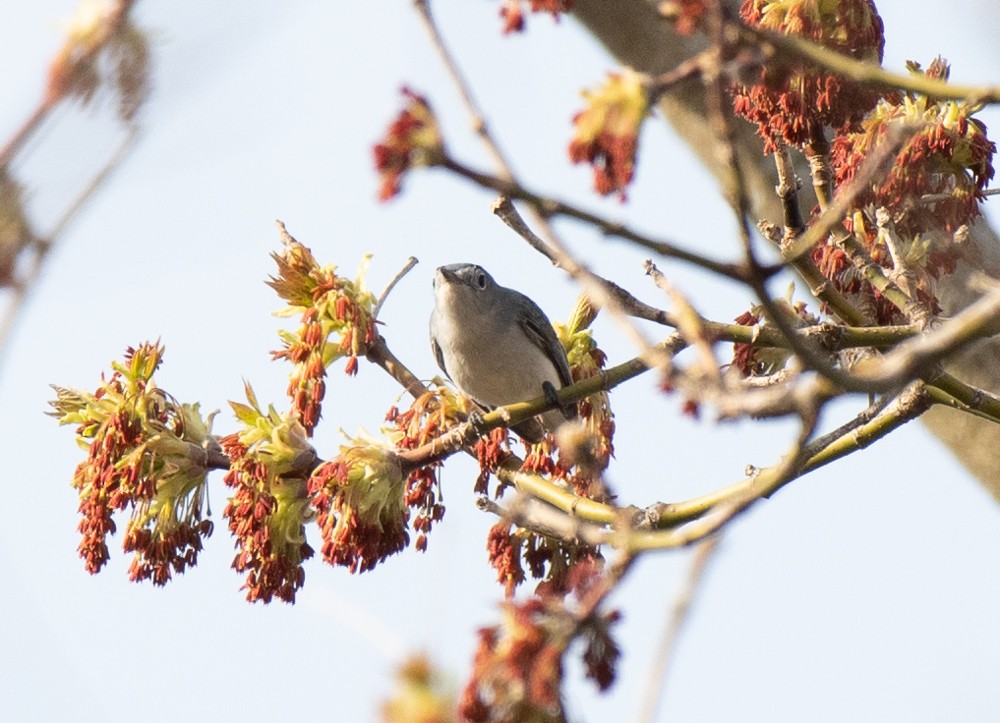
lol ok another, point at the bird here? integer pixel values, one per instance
(497, 345)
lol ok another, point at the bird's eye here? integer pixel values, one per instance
(481, 280)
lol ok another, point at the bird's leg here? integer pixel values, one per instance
(549, 390)
(476, 420)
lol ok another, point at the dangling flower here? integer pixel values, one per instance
(793, 102)
(512, 13)
(270, 460)
(145, 451)
(413, 140)
(328, 306)
(949, 158)
(518, 668)
(360, 504)
(431, 415)
(751, 360)
(607, 130)
(421, 696)
(102, 47)
(586, 360)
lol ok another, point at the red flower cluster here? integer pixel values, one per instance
(518, 667)
(422, 695)
(360, 505)
(102, 48)
(751, 360)
(949, 158)
(584, 453)
(934, 187)
(512, 13)
(144, 451)
(794, 102)
(431, 415)
(413, 140)
(491, 451)
(270, 460)
(685, 14)
(548, 559)
(607, 130)
(328, 305)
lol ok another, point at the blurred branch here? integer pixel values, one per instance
(679, 613)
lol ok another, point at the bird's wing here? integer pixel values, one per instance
(544, 336)
(439, 357)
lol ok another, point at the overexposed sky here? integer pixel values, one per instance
(866, 591)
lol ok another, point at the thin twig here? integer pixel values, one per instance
(867, 72)
(666, 651)
(464, 89)
(410, 263)
(43, 245)
(594, 285)
(549, 207)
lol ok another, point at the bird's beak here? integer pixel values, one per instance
(445, 275)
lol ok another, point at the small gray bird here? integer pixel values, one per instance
(496, 345)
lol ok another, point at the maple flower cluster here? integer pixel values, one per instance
(361, 510)
(422, 695)
(685, 14)
(511, 549)
(512, 12)
(413, 140)
(948, 158)
(147, 452)
(518, 667)
(431, 415)
(270, 462)
(102, 47)
(933, 189)
(364, 499)
(793, 102)
(328, 305)
(751, 360)
(606, 131)
(587, 360)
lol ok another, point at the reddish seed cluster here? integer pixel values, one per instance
(934, 187)
(512, 12)
(266, 519)
(503, 549)
(307, 381)
(585, 454)
(751, 360)
(686, 14)
(518, 667)
(100, 482)
(491, 451)
(547, 559)
(329, 305)
(412, 140)
(744, 355)
(949, 158)
(138, 440)
(606, 131)
(794, 103)
(358, 532)
(160, 554)
(431, 415)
